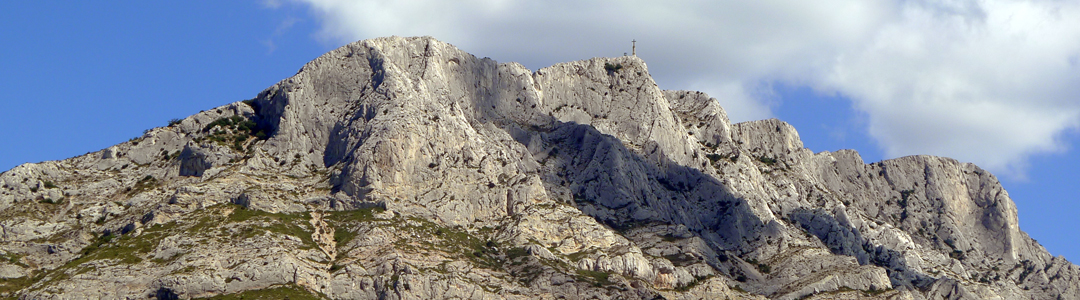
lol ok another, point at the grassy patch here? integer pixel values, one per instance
(289, 291)
(359, 215)
(515, 253)
(240, 224)
(124, 249)
(11, 285)
(144, 184)
(234, 131)
(692, 284)
(458, 242)
(13, 258)
(528, 274)
(598, 279)
(335, 267)
(204, 224)
(577, 256)
(343, 234)
(293, 224)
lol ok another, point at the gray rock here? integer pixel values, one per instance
(405, 168)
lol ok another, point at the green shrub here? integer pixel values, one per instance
(904, 195)
(697, 281)
(713, 157)
(146, 183)
(233, 131)
(957, 254)
(104, 238)
(598, 279)
(767, 160)
(254, 105)
(612, 67)
(764, 268)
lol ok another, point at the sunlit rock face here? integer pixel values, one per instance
(405, 168)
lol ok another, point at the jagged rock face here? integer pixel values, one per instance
(407, 168)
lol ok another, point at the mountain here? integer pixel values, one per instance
(405, 168)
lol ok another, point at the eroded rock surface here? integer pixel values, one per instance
(405, 168)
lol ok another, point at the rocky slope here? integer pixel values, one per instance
(405, 168)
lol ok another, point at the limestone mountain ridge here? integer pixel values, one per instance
(405, 168)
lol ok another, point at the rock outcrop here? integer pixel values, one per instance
(405, 168)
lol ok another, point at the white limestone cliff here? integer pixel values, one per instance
(405, 168)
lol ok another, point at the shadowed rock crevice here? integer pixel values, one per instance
(843, 239)
(405, 168)
(625, 190)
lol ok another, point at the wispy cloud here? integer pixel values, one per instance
(990, 81)
(281, 29)
(272, 4)
(285, 25)
(270, 46)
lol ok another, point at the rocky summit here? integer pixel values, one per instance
(405, 168)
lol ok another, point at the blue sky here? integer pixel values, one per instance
(991, 82)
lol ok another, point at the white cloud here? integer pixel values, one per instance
(983, 81)
(989, 81)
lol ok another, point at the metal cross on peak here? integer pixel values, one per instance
(633, 49)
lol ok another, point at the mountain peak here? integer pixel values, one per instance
(407, 168)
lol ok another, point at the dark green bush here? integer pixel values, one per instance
(764, 268)
(612, 67)
(235, 130)
(957, 254)
(767, 160)
(713, 157)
